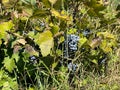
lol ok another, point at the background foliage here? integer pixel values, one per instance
(32, 37)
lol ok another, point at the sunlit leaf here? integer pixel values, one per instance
(15, 56)
(4, 27)
(61, 39)
(5, 1)
(45, 41)
(82, 40)
(6, 86)
(59, 15)
(55, 29)
(9, 64)
(94, 61)
(105, 46)
(72, 31)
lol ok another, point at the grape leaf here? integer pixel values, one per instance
(82, 41)
(9, 64)
(45, 42)
(21, 41)
(4, 27)
(106, 35)
(55, 29)
(105, 46)
(15, 56)
(60, 16)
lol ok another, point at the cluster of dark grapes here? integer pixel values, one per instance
(72, 67)
(70, 45)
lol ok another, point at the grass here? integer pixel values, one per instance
(85, 80)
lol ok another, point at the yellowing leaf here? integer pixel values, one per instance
(82, 40)
(106, 35)
(105, 46)
(29, 49)
(27, 12)
(95, 42)
(21, 41)
(60, 16)
(4, 27)
(9, 64)
(45, 41)
(55, 13)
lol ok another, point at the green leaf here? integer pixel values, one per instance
(58, 4)
(40, 13)
(55, 29)
(1, 74)
(46, 3)
(61, 39)
(0, 41)
(15, 56)
(54, 65)
(9, 64)
(6, 86)
(45, 42)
